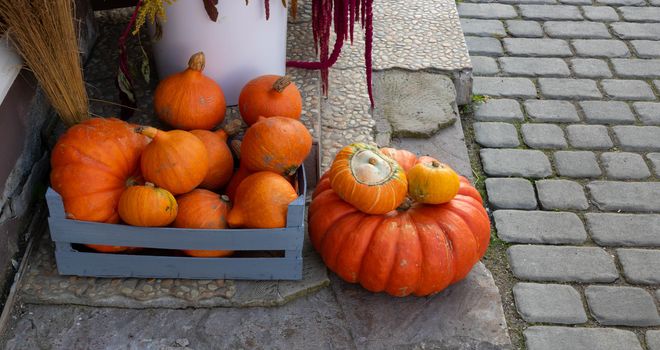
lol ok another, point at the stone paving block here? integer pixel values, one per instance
(503, 87)
(653, 339)
(537, 47)
(577, 164)
(562, 264)
(569, 89)
(482, 27)
(548, 12)
(576, 30)
(510, 193)
(590, 68)
(496, 134)
(561, 194)
(600, 13)
(566, 338)
(638, 138)
(600, 48)
(524, 29)
(640, 14)
(622, 2)
(622, 306)
(482, 65)
(551, 111)
(624, 166)
(657, 85)
(636, 68)
(520, 226)
(625, 30)
(543, 136)
(608, 229)
(625, 196)
(646, 48)
(549, 303)
(576, 2)
(530, 66)
(589, 136)
(648, 112)
(466, 10)
(499, 110)
(655, 160)
(640, 266)
(478, 46)
(515, 162)
(628, 89)
(607, 112)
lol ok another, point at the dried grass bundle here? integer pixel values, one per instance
(44, 34)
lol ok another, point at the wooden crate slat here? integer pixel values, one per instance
(118, 265)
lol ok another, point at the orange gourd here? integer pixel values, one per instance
(236, 180)
(262, 201)
(369, 180)
(92, 164)
(147, 206)
(269, 96)
(221, 161)
(275, 144)
(174, 160)
(203, 209)
(190, 100)
(419, 249)
(432, 182)
(405, 158)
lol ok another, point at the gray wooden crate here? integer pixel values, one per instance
(65, 233)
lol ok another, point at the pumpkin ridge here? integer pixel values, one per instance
(405, 227)
(364, 232)
(85, 157)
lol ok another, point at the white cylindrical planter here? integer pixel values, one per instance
(240, 46)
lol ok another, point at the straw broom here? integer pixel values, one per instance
(44, 34)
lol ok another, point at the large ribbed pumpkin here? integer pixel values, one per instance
(369, 180)
(175, 160)
(275, 144)
(405, 158)
(418, 250)
(203, 209)
(190, 100)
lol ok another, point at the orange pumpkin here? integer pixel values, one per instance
(275, 144)
(405, 158)
(91, 165)
(262, 201)
(190, 100)
(175, 160)
(269, 96)
(147, 206)
(236, 180)
(369, 180)
(204, 210)
(221, 161)
(432, 182)
(418, 250)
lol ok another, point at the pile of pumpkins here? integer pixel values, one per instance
(110, 171)
(397, 223)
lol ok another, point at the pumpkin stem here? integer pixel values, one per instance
(407, 203)
(290, 171)
(282, 83)
(197, 62)
(435, 164)
(132, 181)
(373, 161)
(149, 184)
(225, 198)
(148, 131)
(236, 148)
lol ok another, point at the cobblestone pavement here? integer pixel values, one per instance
(570, 145)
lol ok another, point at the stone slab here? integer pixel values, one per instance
(638, 138)
(510, 193)
(416, 104)
(648, 112)
(345, 317)
(554, 338)
(42, 284)
(498, 110)
(622, 306)
(653, 339)
(589, 136)
(577, 164)
(520, 226)
(590, 68)
(551, 303)
(515, 162)
(551, 111)
(537, 47)
(640, 266)
(569, 89)
(504, 87)
(624, 166)
(561, 195)
(496, 134)
(607, 112)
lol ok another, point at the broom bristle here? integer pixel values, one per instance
(44, 34)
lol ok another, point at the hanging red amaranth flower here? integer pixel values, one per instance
(343, 14)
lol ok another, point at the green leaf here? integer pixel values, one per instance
(125, 86)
